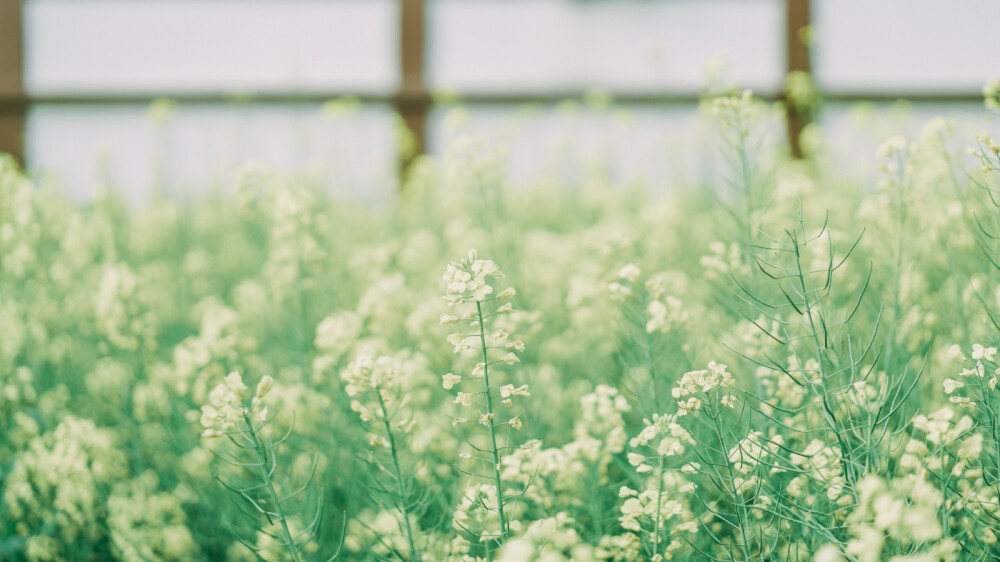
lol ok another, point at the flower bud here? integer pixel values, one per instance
(265, 385)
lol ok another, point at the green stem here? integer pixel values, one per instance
(265, 475)
(652, 369)
(738, 502)
(898, 273)
(659, 502)
(994, 432)
(492, 427)
(399, 476)
(829, 414)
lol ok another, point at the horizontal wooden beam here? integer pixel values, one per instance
(402, 98)
(407, 98)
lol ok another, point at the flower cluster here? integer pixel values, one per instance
(991, 94)
(972, 385)
(987, 152)
(901, 515)
(53, 493)
(659, 512)
(552, 538)
(665, 433)
(737, 112)
(367, 374)
(723, 260)
(468, 283)
(229, 408)
(704, 384)
(468, 280)
(664, 312)
(373, 385)
(662, 505)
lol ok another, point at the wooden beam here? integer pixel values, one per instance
(797, 59)
(413, 100)
(416, 100)
(14, 109)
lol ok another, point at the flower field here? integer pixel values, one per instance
(797, 362)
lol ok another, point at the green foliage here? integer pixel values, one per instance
(847, 408)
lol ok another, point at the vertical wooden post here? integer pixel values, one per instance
(413, 100)
(797, 59)
(13, 103)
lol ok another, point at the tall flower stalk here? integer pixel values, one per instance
(657, 513)
(373, 383)
(242, 421)
(469, 289)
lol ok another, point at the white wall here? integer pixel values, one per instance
(246, 46)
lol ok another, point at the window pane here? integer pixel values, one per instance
(202, 145)
(906, 45)
(637, 46)
(174, 45)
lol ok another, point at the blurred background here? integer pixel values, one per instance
(174, 95)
